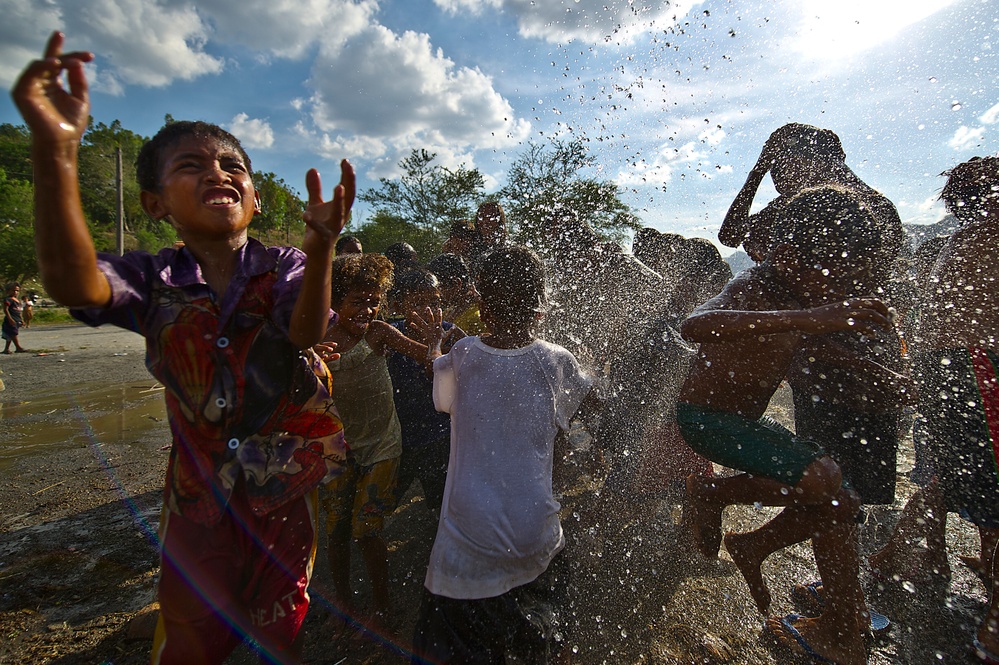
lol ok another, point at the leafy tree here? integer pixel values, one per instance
(429, 196)
(384, 229)
(98, 182)
(545, 176)
(15, 152)
(17, 237)
(281, 208)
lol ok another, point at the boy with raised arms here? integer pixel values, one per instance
(228, 325)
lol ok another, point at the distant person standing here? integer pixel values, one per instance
(12, 317)
(29, 312)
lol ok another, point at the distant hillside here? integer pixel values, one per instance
(919, 232)
(738, 261)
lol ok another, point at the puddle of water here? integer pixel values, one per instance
(82, 415)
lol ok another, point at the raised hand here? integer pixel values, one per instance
(53, 113)
(325, 219)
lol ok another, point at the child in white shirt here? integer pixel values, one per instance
(509, 395)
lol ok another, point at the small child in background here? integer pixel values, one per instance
(426, 432)
(357, 501)
(490, 582)
(458, 295)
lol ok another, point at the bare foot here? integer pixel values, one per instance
(705, 519)
(812, 639)
(738, 545)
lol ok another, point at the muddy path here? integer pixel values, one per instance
(82, 456)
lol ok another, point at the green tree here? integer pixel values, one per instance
(427, 195)
(17, 237)
(99, 186)
(15, 152)
(281, 208)
(384, 229)
(548, 175)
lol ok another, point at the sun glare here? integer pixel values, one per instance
(831, 30)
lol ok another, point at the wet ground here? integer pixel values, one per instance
(82, 436)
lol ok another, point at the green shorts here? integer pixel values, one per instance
(760, 447)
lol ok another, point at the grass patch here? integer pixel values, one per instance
(51, 315)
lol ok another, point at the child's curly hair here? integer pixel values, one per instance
(830, 224)
(511, 283)
(969, 185)
(359, 271)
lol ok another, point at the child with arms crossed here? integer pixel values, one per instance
(228, 325)
(748, 336)
(509, 396)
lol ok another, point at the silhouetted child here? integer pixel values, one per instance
(348, 245)
(357, 501)
(957, 358)
(458, 295)
(228, 325)
(426, 432)
(491, 575)
(748, 336)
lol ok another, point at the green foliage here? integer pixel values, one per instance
(17, 239)
(385, 229)
(546, 176)
(428, 196)
(98, 180)
(15, 152)
(281, 209)
(51, 315)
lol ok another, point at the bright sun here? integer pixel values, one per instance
(847, 27)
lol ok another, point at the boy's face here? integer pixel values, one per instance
(206, 190)
(357, 310)
(417, 301)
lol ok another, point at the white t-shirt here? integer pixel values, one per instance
(499, 525)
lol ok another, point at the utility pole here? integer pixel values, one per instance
(121, 201)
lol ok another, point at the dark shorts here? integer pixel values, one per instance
(959, 400)
(865, 445)
(524, 622)
(760, 447)
(428, 464)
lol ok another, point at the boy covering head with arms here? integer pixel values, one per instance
(748, 336)
(509, 395)
(228, 326)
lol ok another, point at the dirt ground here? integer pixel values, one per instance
(82, 459)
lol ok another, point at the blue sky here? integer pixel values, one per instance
(673, 100)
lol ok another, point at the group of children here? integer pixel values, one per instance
(281, 378)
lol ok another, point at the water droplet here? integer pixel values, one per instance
(955, 105)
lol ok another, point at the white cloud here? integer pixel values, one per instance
(398, 88)
(697, 154)
(252, 132)
(288, 28)
(472, 6)
(991, 116)
(23, 31)
(967, 137)
(145, 43)
(590, 21)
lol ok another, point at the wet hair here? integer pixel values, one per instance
(10, 286)
(969, 185)
(702, 262)
(402, 255)
(493, 210)
(462, 230)
(414, 280)
(800, 140)
(511, 284)
(343, 241)
(829, 226)
(450, 267)
(657, 250)
(359, 271)
(149, 161)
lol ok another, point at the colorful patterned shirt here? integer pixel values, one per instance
(241, 399)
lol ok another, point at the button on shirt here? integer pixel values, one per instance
(241, 399)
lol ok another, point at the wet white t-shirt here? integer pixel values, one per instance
(499, 525)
